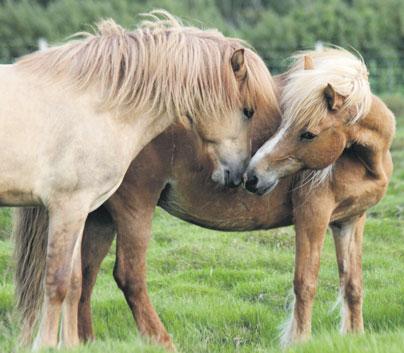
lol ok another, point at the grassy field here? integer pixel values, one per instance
(227, 292)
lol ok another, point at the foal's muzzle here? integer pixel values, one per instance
(257, 184)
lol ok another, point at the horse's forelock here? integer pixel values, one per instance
(303, 102)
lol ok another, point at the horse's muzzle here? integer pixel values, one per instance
(254, 184)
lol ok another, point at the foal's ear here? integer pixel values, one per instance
(334, 100)
(308, 62)
(238, 64)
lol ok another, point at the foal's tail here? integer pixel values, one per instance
(30, 235)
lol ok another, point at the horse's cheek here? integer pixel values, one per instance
(332, 149)
(323, 152)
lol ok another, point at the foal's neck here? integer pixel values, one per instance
(372, 137)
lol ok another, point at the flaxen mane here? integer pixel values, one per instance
(161, 67)
(303, 103)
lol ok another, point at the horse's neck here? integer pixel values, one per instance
(372, 138)
(267, 122)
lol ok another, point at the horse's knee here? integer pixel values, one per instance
(304, 291)
(130, 283)
(119, 276)
(122, 277)
(353, 292)
(61, 285)
(57, 285)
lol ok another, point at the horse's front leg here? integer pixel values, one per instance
(99, 232)
(348, 243)
(133, 220)
(63, 273)
(310, 225)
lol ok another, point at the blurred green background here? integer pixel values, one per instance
(225, 292)
(276, 28)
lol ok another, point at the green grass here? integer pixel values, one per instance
(227, 292)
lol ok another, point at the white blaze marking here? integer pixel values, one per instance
(267, 147)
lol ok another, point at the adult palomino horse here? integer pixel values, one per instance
(172, 177)
(73, 117)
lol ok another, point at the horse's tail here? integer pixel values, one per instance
(30, 235)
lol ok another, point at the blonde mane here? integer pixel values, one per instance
(303, 102)
(161, 67)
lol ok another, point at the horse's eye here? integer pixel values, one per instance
(190, 120)
(307, 135)
(248, 113)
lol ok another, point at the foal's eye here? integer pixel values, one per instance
(307, 135)
(248, 113)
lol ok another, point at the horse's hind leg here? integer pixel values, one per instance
(133, 221)
(99, 232)
(62, 277)
(348, 244)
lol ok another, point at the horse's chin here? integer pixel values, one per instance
(266, 189)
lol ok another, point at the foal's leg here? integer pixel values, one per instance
(348, 244)
(310, 226)
(98, 235)
(133, 221)
(63, 274)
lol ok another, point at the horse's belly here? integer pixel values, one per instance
(11, 198)
(226, 209)
(18, 173)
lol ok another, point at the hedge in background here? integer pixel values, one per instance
(275, 28)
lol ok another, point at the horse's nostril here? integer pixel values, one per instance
(251, 183)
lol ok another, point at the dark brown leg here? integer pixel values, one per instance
(98, 235)
(134, 223)
(131, 209)
(348, 243)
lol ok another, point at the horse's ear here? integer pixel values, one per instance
(308, 62)
(238, 64)
(334, 100)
